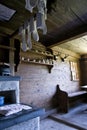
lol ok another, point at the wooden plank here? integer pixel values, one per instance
(11, 57)
(63, 35)
(18, 18)
(4, 31)
(6, 47)
(16, 21)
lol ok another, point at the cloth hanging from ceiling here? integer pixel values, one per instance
(33, 24)
(30, 4)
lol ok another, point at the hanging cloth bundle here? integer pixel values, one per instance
(29, 43)
(30, 4)
(22, 32)
(41, 22)
(33, 29)
(42, 6)
(35, 33)
(30, 27)
(41, 16)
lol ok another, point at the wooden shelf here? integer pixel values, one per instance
(3, 63)
(41, 53)
(38, 57)
(34, 62)
(50, 66)
(7, 47)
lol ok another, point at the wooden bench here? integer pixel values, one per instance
(66, 100)
(76, 97)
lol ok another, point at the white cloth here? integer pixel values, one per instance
(42, 15)
(31, 24)
(13, 108)
(40, 18)
(35, 33)
(41, 6)
(30, 4)
(39, 23)
(33, 29)
(22, 32)
(29, 43)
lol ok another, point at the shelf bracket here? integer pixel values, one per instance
(50, 68)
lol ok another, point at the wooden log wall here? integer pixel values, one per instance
(38, 85)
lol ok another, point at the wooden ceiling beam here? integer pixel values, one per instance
(58, 37)
(67, 40)
(14, 34)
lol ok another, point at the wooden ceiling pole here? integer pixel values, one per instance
(14, 34)
(11, 57)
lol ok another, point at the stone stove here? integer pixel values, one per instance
(9, 88)
(24, 120)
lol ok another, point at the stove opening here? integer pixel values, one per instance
(10, 96)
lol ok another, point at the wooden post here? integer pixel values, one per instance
(11, 57)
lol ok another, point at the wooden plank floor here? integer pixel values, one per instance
(76, 117)
(51, 124)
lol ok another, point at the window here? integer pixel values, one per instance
(74, 71)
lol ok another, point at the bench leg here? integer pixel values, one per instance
(63, 103)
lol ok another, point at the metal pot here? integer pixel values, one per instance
(4, 70)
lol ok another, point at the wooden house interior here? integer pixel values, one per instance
(56, 56)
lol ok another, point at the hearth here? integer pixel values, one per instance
(9, 96)
(9, 88)
(25, 119)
